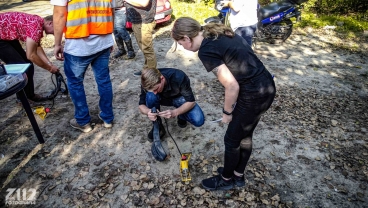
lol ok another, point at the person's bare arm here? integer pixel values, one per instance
(41, 53)
(144, 109)
(34, 56)
(138, 3)
(187, 106)
(59, 22)
(227, 79)
(230, 4)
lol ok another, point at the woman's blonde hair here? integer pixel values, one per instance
(150, 78)
(187, 26)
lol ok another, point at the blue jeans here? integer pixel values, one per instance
(75, 67)
(120, 32)
(247, 33)
(195, 116)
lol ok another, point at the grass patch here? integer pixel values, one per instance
(199, 11)
(346, 24)
(349, 25)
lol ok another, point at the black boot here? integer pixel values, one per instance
(162, 131)
(130, 49)
(182, 123)
(121, 48)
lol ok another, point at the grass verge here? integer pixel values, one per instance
(353, 23)
(199, 11)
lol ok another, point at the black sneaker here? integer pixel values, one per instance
(131, 55)
(137, 74)
(119, 53)
(238, 181)
(182, 123)
(217, 183)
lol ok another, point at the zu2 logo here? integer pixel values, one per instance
(20, 196)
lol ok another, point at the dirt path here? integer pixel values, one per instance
(310, 148)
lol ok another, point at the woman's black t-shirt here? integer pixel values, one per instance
(235, 53)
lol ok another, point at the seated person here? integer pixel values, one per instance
(168, 87)
(28, 28)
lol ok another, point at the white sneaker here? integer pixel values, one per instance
(86, 128)
(107, 125)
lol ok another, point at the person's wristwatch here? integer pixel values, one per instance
(225, 112)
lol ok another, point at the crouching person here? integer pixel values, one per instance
(168, 87)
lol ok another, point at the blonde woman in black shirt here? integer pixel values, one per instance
(249, 91)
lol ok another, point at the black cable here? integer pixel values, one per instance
(52, 80)
(53, 100)
(167, 127)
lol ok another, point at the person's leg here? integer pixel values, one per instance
(137, 34)
(247, 32)
(126, 37)
(138, 37)
(120, 17)
(152, 100)
(11, 52)
(100, 67)
(195, 116)
(119, 29)
(246, 147)
(75, 67)
(143, 34)
(241, 127)
(251, 104)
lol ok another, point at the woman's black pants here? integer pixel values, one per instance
(255, 97)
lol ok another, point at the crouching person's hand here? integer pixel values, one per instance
(168, 114)
(152, 116)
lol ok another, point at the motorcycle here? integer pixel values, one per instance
(274, 24)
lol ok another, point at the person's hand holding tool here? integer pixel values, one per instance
(167, 114)
(152, 116)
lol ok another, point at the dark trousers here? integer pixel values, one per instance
(11, 52)
(255, 97)
(247, 32)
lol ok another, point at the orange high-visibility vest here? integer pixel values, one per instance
(88, 17)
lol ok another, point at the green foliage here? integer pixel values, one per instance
(206, 2)
(341, 7)
(342, 23)
(199, 11)
(352, 23)
(309, 5)
(263, 2)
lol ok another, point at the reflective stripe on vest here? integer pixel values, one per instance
(88, 17)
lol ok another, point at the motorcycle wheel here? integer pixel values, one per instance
(286, 34)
